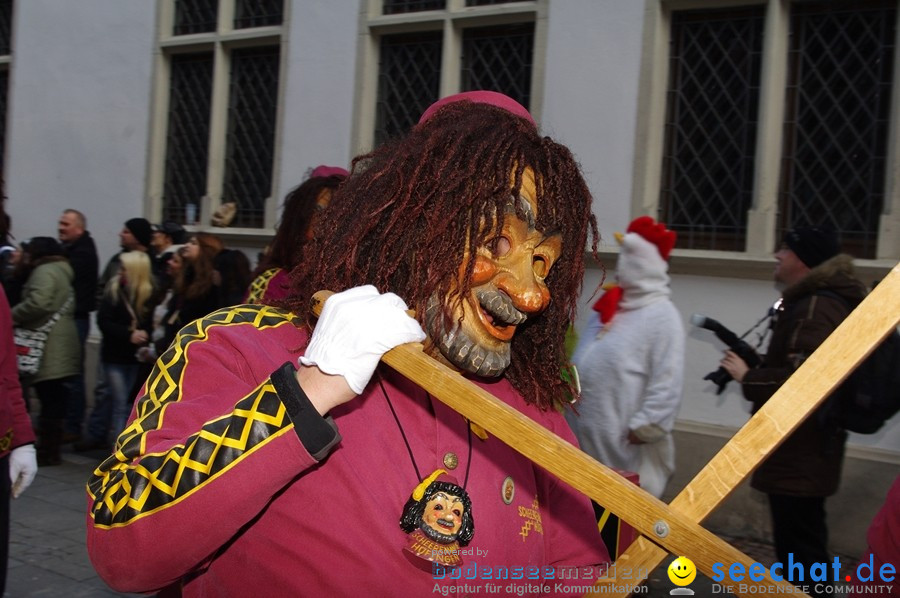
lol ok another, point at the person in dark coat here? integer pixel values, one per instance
(167, 238)
(48, 296)
(79, 248)
(820, 290)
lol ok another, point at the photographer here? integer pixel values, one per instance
(819, 291)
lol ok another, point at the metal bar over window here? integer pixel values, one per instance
(250, 142)
(710, 135)
(187, 141)
(408, 81)
(836, 124)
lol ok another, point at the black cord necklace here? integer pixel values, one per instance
(438, 515)
(406, 440)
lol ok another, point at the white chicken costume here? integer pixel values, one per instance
(631, 363)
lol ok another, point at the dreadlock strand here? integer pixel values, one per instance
(414, 208)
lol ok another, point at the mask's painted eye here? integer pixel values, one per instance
(500, 246)
(457, 512)
(540, 265)
(438, 507)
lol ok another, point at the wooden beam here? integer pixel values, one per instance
(675, 527)
(647, 514)
(857, 336)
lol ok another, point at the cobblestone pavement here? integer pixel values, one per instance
(47, 553)
(48, 556)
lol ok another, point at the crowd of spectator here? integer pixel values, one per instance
(162, 278)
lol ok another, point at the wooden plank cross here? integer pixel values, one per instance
(857, 336)
(676, 527)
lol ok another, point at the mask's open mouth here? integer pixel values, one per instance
(498, 314)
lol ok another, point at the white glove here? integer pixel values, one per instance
(356, 328)
(22, 468)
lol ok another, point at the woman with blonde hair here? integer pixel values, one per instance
(125, 318)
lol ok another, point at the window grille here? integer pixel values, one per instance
(223, 90)
(195, 16)
(4, 90)
(499, 59)
(710, 127)
(250, 142)
(408, 81)
(258, 13)
(836, 123)
(187, 152)
(6, 7)
(392, 7)
(487, 2)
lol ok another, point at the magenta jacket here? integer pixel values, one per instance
(270, 286)
(213, 483)
(15, 425)
(884, 548)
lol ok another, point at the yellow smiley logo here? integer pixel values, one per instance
(682, 571)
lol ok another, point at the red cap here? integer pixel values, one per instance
(656, 233)
(324, 171)
(480, 97)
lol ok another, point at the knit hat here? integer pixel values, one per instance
(812, 245)
(326, 171)
(480, 97)
(141, 229)
(174, 230)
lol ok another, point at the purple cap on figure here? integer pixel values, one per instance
(325, 171)
(480, 97)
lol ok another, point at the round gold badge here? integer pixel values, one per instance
(451, 461)
(508, 490)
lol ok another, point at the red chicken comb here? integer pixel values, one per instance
(654, 232)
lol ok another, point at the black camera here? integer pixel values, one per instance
(720, 377)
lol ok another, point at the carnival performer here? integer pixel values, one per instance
(630, 359)
(302, 208)
(244, 473)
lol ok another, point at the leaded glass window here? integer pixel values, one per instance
(221, 113)
(392, 7)
(4, 90)
(499, 59)
(195, 16)
(711, 120)
(258, 13)
(251, 133)
(487, 2)
(408, 81)
(426, 55)
(836, 123)
(6, 7)
(5, 26)
(187, 152)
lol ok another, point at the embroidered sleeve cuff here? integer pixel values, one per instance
(318, 434)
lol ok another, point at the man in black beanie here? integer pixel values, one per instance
(819, 290)
(136, 235)
(812, 245)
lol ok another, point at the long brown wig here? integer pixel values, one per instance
(300, 206)
(195, 280)
(415, 207)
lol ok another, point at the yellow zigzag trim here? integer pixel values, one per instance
(130, 490)
(260, 285)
